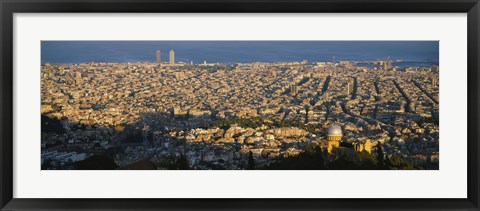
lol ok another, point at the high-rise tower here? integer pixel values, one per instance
(78, 78)
(348, 88)
(332, 70)
(172, 57)
(294, 89)
(387, 64)
(159, 60)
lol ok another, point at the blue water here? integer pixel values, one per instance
(420, 52)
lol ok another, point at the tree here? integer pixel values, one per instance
(96, 162)
(251, 161)
(311, 159)
(182, 163)
(342, 163)
(51, 124)
(366, 160)
(397, 162)
(380, 157)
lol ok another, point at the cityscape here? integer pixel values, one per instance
(168, 113)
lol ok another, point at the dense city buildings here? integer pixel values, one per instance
(240, 116)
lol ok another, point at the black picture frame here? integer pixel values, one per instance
(9, 7)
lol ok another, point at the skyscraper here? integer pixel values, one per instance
(332, 70)
(172, 57)
(78, 78)
(294, 89)
(387, 64)
(159, 60)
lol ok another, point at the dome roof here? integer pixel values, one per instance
(334, 130)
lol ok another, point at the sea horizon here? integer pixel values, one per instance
(411, 53)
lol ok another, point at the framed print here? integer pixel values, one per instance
(239, 105)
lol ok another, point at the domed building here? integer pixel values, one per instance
(334, 133)
(334, 136)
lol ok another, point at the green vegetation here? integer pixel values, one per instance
(251, 161)
(173, 163)
(380, 157)
(182, 163)
(395, 162)
(252, 123)
(316, 158)
(96, 162)
(218, 67)
(311, 159)
(288, 123)
(50, 124)
(358, 161)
